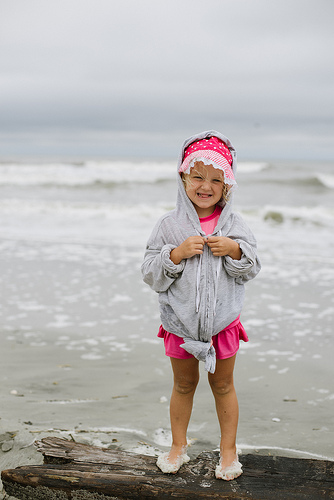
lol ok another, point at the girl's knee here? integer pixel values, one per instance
(222, 386)
(185, 385)
(186, 375)
(221, 381)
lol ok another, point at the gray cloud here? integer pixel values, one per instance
(103, 70)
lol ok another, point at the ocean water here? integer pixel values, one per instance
(72, 239)
(80, 202)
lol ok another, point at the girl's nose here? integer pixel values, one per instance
(206, 184)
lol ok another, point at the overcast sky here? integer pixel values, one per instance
(137, 77)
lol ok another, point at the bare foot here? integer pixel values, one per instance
(170, 462)
(229, 467)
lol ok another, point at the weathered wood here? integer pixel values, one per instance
(81, 472)
(57, 450)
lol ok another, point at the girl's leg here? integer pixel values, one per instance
(222, 387)
(186, 377)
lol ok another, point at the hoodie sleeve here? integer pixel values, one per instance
(249, 265)
(158, 270)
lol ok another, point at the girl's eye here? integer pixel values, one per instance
(217, 180)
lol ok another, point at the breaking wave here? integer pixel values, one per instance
(96, 173)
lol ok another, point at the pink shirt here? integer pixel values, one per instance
(209, 223)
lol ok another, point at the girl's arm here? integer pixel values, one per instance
(162, 266)
(158, 270)
(248, 265)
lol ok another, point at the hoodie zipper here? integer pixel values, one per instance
(206, 293)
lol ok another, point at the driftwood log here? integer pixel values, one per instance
(81, 472)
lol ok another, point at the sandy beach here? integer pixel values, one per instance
(79, 354)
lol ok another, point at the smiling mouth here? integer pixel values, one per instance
(204, 196)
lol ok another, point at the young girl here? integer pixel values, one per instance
(198, 258)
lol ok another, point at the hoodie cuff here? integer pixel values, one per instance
(172, 270)
(244, 265)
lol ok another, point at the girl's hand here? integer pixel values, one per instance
(221, 246)
(190, 247)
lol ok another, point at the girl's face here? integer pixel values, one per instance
(204, 187)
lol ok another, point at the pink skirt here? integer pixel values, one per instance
(226, 342)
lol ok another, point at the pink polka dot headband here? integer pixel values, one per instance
(210, 151)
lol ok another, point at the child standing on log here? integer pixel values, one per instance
(198, 258)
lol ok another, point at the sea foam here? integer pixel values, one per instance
(85, 174)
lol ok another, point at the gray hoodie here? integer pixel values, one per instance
(203, 294)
